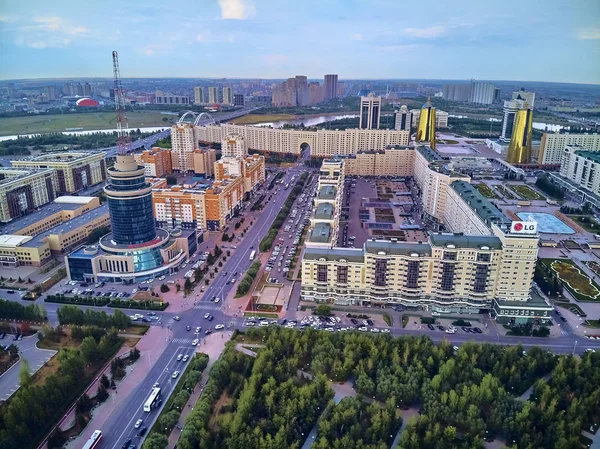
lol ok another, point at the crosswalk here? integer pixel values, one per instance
(207, 306)
(182, 341)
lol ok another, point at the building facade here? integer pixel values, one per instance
(553, 145)
(402, 119)
(426, 126)
(213, 95)
(204, 161)
(581, 167)
(238, 99)
(183, 144)
(227, 95)
(330, 87)
(167, 98)
(22, 191)
(441, 118)
(483, 93)
(234, 145)
(156, 162)
(510, 112)
(73, 171)
(370, 112)
(528, 97)
(393, 161)
(250, 168)
(198, 95)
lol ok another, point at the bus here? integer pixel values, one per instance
(253, 254)
(93, 441)
(152, 400)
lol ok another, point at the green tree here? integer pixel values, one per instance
(104, 381)
(188, 286)
(156, 441)
(101, 393)
(24, 374)
(164, 288)
(89, 350)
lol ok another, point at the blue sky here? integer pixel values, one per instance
(532, 40)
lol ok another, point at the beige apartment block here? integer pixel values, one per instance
(204, 161)
(183, 144)
(553, 145)
(24, 190)
(395, 160)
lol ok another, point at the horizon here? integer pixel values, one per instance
(267, 40)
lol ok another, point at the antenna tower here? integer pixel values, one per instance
(124, 139)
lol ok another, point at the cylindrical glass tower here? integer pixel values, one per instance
(130, 203)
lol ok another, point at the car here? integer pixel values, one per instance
(206, 315)
(210, 318)
(354, 321)
(375, 330)
(217, 299)
(176, 318)
(456, 348)
(370, 322)
(2, 335)
(142, 432)
(126, 444)
(195, 342)
(590, 350)
(188, 328)
(451, 331)
(198, 329)
(156, 385)
(10, 291)
(385, 331)
(441, 328)
(219, 327)
(138, 423)
(174, 376)
(207, 331)
(465, 329)
(430, 326)
(179, 357)
(477, 330)
(185, 358)
(363, 329)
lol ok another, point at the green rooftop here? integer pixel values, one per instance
(485, 210)
(327, 193)
(324, 211)
(321, 233)
(590, 155)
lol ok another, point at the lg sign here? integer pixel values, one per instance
(523, 227)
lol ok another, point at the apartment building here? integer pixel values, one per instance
(183, 144)
(167, 98)
(323, 143)
(250, 168)
(204, 161)
(22, 191)
(370, 112)
(582, 167)
(198, 95)
(193, 207)
(395, 160)
(213, 95)
(553, 145)
(234, 145)
(73, 171)
(227, 95)
(156, 162)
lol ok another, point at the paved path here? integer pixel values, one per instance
(28, 350)
(527, 393)
(406, 416)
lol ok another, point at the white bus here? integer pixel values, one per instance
(93, 441)
(253, 254)
(152, 400)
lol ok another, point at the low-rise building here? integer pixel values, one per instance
(156, 162)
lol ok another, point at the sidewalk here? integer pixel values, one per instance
(213, 346)
(151, 346)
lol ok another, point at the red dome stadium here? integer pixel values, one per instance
(87, 102)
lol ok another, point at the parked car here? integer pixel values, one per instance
(430, 326)
(138, 423)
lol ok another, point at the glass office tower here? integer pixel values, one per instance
(130, 203)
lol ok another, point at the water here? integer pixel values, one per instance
(152, 129)
(308, 121)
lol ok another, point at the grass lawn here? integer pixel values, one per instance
(575, 280)
(251, 119)
(586, 222)
(449, 142)
(526, 192)
(87, 121)
(505, 193)
(485, 190)
(574, 308)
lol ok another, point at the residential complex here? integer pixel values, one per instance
(73, 171)
(330, 87)
(198, 95)
(487, 264)
(393, 161)
(166, 98)
(553, 145)
(473, 92)
(519, 149)
(156, 162)
(582, 167)
(23, 190)
(227, 95)
(234, 145)
(370, 112)
(213, 95)
(183, 144)
(323, 143)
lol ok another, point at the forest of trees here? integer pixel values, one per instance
(14, 311)
(463, 397)
(74, 315)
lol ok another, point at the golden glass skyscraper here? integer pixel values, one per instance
(426, 128)
(519, 150)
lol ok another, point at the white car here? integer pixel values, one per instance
(179, 357)
(385, 331)
(456, 348)
(375, 330)
(185, 358)
(206, 315)
(217, 299)
(363, 329)
(138, 423)
(175, 374)
(195, 342)
(590, 350)
(219, 327)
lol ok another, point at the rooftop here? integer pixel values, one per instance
(69, 199)
(398, 248)
(327, 193)
(589, 155)
(41, 214)
(10, 241)
(334, 254)
(465, 241)
(324, 211)
(9, 175)
(321, 233)
(58, 157)
(428, 153)
(70, 225)
(534, 300)
(485, 210)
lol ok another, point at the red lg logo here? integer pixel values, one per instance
(518, 227)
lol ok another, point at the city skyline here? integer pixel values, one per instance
(258, 39)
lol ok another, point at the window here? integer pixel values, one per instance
(321, 273)
(483, 257)
(449, 255)
(481, 275)
(342, 275)
(380, 272)
(412, 274)
(447, 282)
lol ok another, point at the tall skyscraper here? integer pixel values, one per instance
(482, 93)
(213, 95)
(426, 128)
(511, 107)
(302, 94)
(198, 95)
(330, 86)
(519, 149)
(315, 93)
(370, 112)
(402, 119)
(87, 90)
(227, 95)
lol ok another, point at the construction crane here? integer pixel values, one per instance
(124, 139)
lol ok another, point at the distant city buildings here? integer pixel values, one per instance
(316, 93)
(227, 95)
(166, 98)
(483, 93)
(473, 92)
(370, 112)
(198, 95)
(213, 95)
(330, 87)
(238, 99)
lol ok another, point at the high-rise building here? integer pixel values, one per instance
(213, 95)
(482, 93)
(529, 97)
(426, 128)
(370, 112)
(285, 94)
(457, 92)
(511, 107)
(227, 95)
(519, 149)
(234, 145)
(80, 90)
(156, 162)
(87, 90)
(402, 120)
(330, 87)
(581, 167)
(553, 145)
(302, 93)
(204, 161)
(238, 99)
(183, 144)
(315, 93)
(198, 95)
(51, 93)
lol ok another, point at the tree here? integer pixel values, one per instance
(94, 236)
(57, 439)
(134, 354)
(101, 393)
(24, 374)
(164, 288)
(323, 310)
(89, 350)
(188, 286)
(104, 381)
(156, 441)
(83, 404)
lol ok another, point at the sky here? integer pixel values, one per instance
(525, 40)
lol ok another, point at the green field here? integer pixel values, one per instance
(526, 192)
(485, 190)
(88, 121)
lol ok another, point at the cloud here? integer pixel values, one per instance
(48, 32)
(150, 50)
(204, 36)
(207, 36)
(589, 35)
(275, 59)
(426, 33)
(237, 9)
(357, 37)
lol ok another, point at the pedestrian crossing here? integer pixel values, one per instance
(207, 306)
(182, 341)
